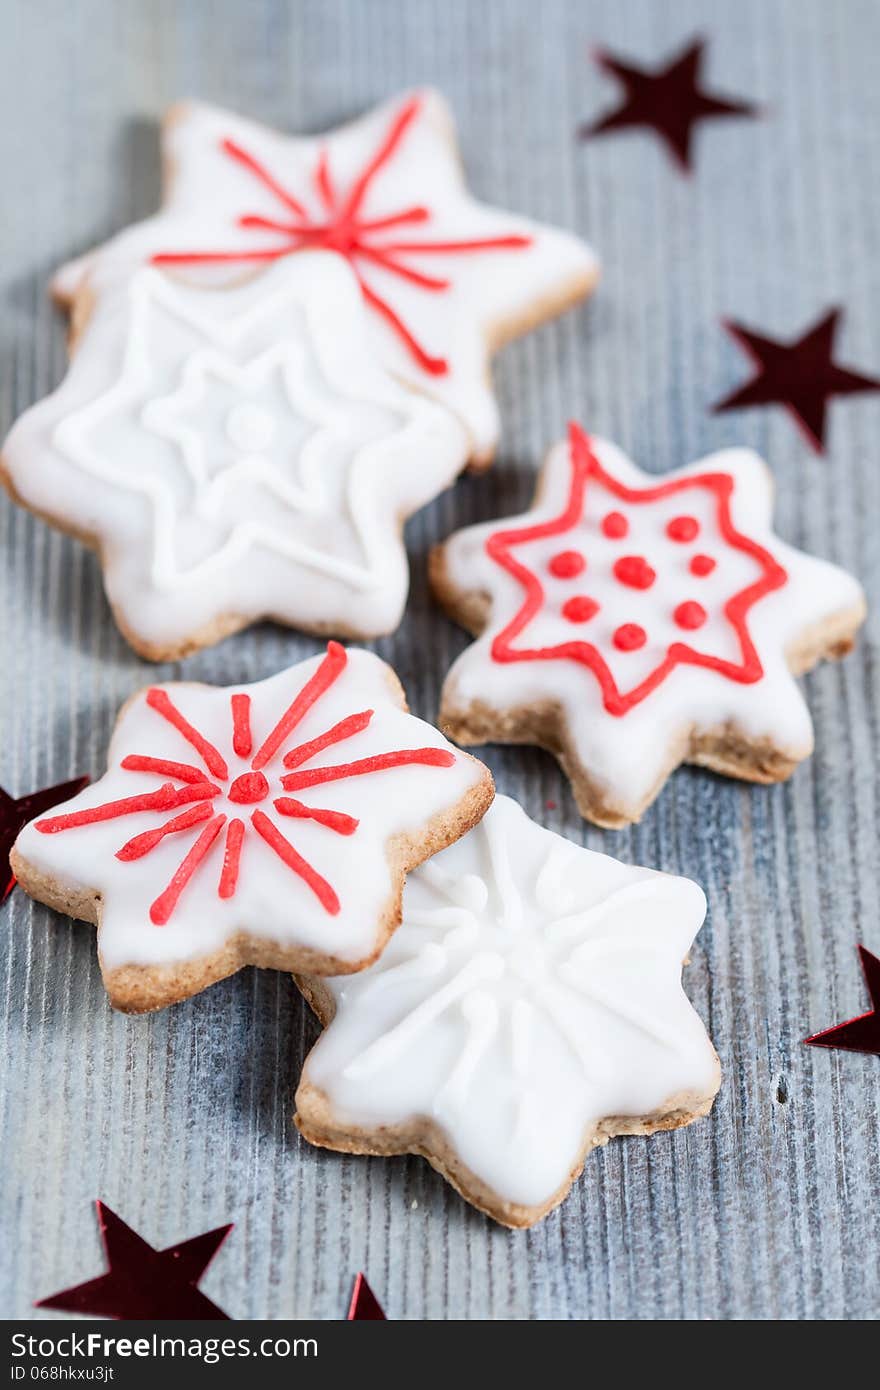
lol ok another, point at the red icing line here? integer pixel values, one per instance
(584, 468)
(242, 743)
(380, 762)
(161, 702)
(349, 234)
(346, 728)
(140, 845)
(162, 908)
(334, 820)
(184, 772)
(231, 859)
(165, 799)
(331, 667)
(286, 852)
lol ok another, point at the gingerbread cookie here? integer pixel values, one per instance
(629, 624)
(270, 825)
(236, 454)
(445, 279)
(529, 1008)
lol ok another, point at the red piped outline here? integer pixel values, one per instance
(586, 466)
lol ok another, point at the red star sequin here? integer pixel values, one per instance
(800, 375)
(860, 1034)
(245, 792)
(143, 1283)
(634, 572)
(15, 812)
(667, 100)
(363, 241)
(364, 1305)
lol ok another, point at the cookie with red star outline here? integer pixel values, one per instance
(446, 280)
(271, 825)
(629, 624)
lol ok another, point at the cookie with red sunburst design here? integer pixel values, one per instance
(446, 280)
(629, 623)
(269, 825)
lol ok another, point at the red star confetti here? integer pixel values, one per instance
(860, 1034)
(143, 1283)
(668, 100)
(15, 812)
(800, 375)
(364, 1305)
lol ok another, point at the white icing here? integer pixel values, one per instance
(627, 754)
(237, 452)
(518, 1037)
(489, 293)
(271, 902)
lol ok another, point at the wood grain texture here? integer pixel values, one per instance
(181, 1121)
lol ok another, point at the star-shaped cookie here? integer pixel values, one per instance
(236, 454)
(529, 1008)
(270, 825)
(629, 623)
(446, 279)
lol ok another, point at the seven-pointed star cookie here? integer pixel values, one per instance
(235, 454)
(446, 279)
(270, 825)
(629, 624)
(529, 1008)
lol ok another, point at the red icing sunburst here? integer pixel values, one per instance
(345, 230)
(197, 791)
(632, 572)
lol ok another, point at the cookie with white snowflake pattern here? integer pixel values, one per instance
(445, 279)
(529, 1008)
(270, 824)
(236, 454)
(629, 623)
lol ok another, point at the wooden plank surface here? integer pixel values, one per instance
(182, 1121)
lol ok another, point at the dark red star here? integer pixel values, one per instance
(143, 1283)
(861, 1034)
(15, 812)
(669, 100)
(801, 375)
(364, 1305)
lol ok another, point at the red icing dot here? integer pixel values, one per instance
(683, 528)
(690, 615)
(580, 609)
(701, 565)
(567, 564)
(634, 571)
(615, 526)
(629, 637)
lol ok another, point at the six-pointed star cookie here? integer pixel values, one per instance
(629, 624)
(529, 1008)
(236, 453)
(270, 824)
(446, 278)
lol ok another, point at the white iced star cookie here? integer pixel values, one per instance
(270, 825)
(529, 1008)
(236, 454)
(446, 279)
(630, 623)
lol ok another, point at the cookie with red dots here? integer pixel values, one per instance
(271, 825)
(629, 624)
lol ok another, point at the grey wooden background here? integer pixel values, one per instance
(182, 1121)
